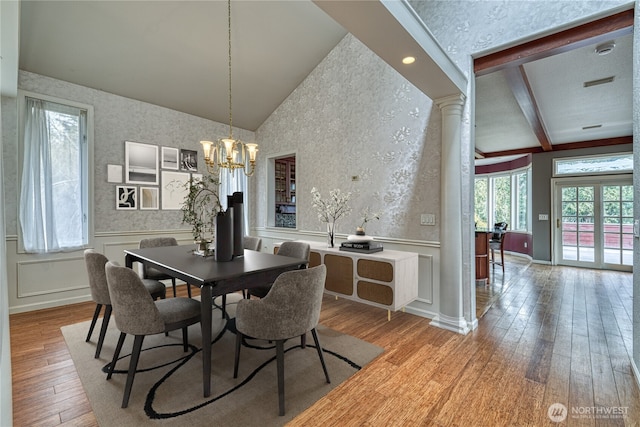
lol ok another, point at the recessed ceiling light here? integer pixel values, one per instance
(408, 60)
(605, 48)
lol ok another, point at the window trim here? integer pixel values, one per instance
(271, 189)
(22, 95)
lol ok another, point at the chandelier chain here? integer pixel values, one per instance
(230, 104)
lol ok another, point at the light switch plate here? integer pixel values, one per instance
(427, 219)
(543, 217)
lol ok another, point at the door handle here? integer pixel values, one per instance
(557, 222)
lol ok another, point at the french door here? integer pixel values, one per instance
(593, 223)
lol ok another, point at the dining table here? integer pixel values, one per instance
(214, 278)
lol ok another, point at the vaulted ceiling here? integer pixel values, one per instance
(531, 98)
(572, 89)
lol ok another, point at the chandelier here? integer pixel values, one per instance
(229, 153)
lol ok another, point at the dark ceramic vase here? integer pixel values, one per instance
(224, 236)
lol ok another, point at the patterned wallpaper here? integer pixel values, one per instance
(117, 120)
(466, 27)
(356, 116)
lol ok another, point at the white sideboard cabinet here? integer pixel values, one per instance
(386, 279)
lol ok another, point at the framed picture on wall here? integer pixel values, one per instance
(114, 173)
(126, 198)
(170, 158)
(189, 160)
(149, 198)
(174, 189)
(141, 163)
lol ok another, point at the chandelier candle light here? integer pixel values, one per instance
(229, 153)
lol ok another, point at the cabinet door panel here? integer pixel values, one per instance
(375, 292)
(376, 270)
(339, 274)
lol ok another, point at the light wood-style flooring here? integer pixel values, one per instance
(555, 335)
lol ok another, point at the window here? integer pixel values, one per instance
(503, 198)
(56, 174)
(593, 165)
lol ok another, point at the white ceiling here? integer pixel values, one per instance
(174, 54)
(565, 105)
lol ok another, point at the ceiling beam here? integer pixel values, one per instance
(561, 147)
(602, 30)
(521, 89)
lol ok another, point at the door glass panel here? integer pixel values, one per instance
(617, 220)
(596, 224)
(577, 227)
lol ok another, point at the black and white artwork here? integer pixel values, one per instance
(141, 163)
(189, 160)
(126, 198)
(170, 158)
(175, 187)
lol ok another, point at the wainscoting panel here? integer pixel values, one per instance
(50, 280)
(43, 277)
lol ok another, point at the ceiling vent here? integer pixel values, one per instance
(599, 81)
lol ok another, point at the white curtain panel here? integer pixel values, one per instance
(36, 192)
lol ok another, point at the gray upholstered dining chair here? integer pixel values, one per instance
(290, 309)
(252, 243)
(293, 249)
(152, 273)
(137, 314)
(95, 262)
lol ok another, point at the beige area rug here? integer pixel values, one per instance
(167, 389)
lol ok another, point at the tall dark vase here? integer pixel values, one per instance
(224, 235)
(236, 201)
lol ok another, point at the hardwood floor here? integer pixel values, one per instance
(556, 335)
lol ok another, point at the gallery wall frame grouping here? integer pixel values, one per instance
(162, 174)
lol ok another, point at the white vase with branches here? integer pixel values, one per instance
(331, 209)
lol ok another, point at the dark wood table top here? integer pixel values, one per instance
(182, 263)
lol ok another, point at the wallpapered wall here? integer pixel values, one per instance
(356, 116)
(117, 120)
(465, 28)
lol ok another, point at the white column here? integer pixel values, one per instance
(451, 313)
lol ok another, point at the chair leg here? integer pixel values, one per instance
(502, 259)
(135, 356)
(185, 339)
(116, 353)
(103, 329)
(324, 366)
(236, 361)
(173, 283)
(96, 313)
(303, 340)
(224, 304)
(280, 363)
